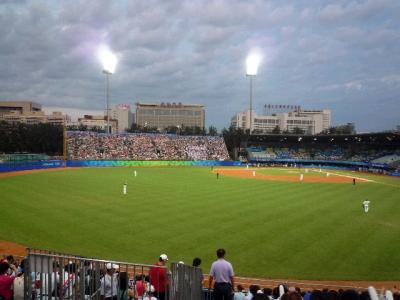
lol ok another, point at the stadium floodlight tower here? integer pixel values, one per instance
(252, 63)
(109, 62)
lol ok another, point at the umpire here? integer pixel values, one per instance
(222, 272)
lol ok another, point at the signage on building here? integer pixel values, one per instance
(124, 106)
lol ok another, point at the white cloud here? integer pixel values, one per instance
(392, 80)
(353, 85)
(332, 12)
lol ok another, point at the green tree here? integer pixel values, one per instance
(172, 129)
(298, 130)
(134, 128)
(199, 131)
(212, 131)
(36, 138)
(234, 138)
(82, 127)
(276, 130)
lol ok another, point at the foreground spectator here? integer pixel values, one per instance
(6, 281)
(239, 295)
(159, 277)
(253, 289)
(222, 272)
(109, 283)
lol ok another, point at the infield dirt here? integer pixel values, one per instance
(248, 173)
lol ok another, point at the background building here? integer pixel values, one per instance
(306, 121)
(30, 113)
(168, 114)
(97, 122)
(122, 113)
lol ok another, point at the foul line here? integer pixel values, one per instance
(347, 176)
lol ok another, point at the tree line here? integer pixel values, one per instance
(34, 138)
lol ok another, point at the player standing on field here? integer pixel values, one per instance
(124, 188)
(365, 205)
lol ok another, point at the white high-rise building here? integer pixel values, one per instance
(122, 113)
(309, 121)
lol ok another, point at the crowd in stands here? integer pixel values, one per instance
(115, 285)
(145, 146)
(64, 282)
(283, 292)
(332, 154)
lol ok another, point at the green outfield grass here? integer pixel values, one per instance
(270, 229)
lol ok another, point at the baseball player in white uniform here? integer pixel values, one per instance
(365, 205)
(125, 188)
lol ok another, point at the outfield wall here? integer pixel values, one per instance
(48, 164)
(31, 165)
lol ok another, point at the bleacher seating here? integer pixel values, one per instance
(144, 146)
(333, 154)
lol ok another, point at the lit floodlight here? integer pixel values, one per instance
(108, 60)
(252, 63)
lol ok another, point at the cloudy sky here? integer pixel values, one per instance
(339, 55)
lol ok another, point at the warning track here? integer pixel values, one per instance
(248, 173)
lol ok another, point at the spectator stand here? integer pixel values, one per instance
(60, 276)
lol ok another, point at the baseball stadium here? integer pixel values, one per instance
(290, 210)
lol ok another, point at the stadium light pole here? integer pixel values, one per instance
(252, 63)
(109, 62)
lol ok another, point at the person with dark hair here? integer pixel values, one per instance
(364, 295)
(123, 286)
(222, 272)
(268, 292)
(293, 295)
(6, 281)
(196, 262)
(239, 295)
(253, 289)
(349, 295)
(275, 293)
(139, 286)
(10, 259)
(109, 283)
(334, 295)
(19, 282)
(70, 279)
(316, 295)
(159, 277)
(90, 278)
(260, 296)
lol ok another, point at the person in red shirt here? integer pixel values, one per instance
(6, 281)
(159, 277)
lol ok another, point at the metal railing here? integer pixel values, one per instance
(50, 275)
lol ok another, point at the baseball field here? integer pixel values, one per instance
(272, 224)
